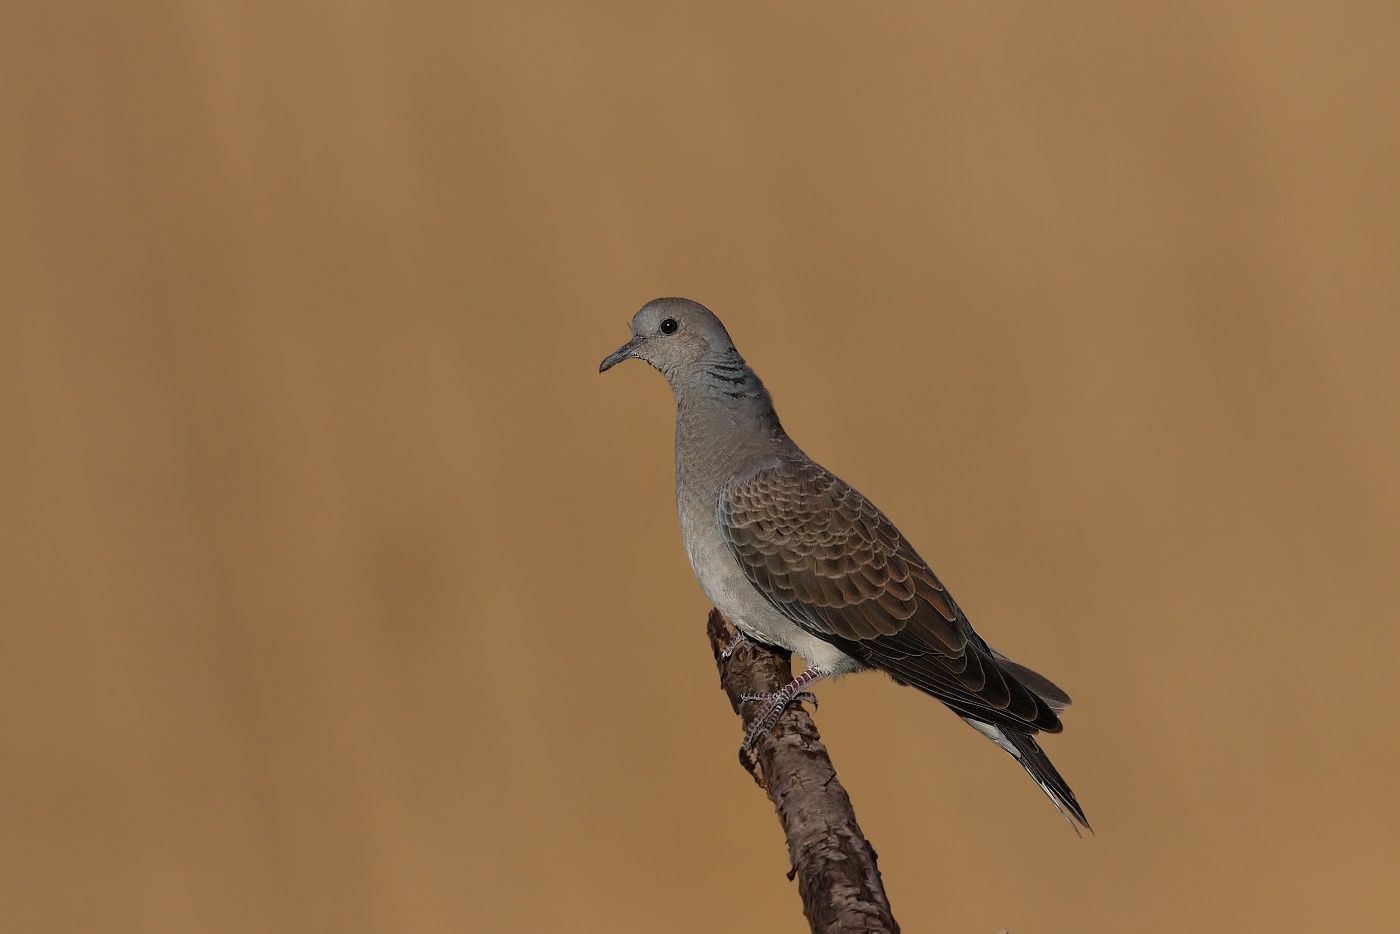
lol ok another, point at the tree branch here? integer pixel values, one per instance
(832, 861)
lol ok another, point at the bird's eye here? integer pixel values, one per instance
(669, 326)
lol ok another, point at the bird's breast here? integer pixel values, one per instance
(726, 585)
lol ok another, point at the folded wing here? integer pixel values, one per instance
(825, 557)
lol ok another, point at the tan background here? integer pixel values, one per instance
(339, 592)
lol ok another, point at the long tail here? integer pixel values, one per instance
(1037, 764)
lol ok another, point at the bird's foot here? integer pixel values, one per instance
(775, 703)
(729, 647)
(806, 697)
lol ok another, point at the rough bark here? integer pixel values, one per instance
(833, 863)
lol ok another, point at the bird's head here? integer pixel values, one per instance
(676, 336)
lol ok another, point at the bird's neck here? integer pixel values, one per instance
(724, 416)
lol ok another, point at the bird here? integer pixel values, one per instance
(798, 559)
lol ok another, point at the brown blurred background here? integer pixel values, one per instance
(341, 594)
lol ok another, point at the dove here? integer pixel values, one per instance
(798, 559)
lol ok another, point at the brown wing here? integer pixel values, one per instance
(831, 562)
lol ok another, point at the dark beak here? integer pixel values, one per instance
(622, 353)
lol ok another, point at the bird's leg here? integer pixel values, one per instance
(778, 701)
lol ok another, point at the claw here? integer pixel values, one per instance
(732, 644)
